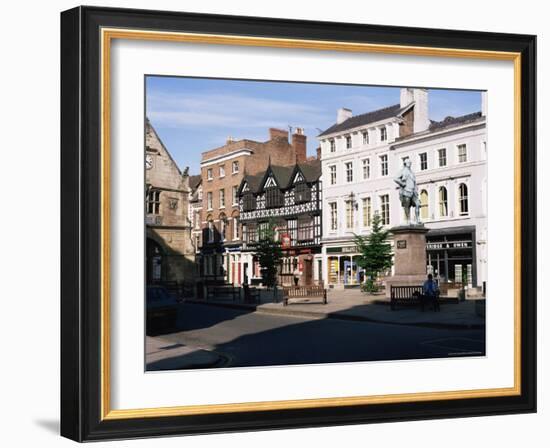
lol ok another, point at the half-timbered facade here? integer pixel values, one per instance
(289, 198)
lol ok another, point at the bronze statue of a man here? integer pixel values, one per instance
(408, 192)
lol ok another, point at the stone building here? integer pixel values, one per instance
(362, 154)
(290, 198)
(222, 170)
(170, 255)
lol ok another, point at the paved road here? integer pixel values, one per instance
(257, 339)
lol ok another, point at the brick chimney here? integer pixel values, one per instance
(299, 145)
(419, 97)
(275, 133)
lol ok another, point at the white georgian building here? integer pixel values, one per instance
(360, 157)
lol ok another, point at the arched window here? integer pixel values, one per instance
(235, 225)
(223, 226)
(210, 229)
(443, 209)
(424, 211)
(463, 199)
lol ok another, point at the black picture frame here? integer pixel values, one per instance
(81, 214)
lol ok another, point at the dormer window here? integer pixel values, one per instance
(249, 202)
(273, 197)
(302, 193)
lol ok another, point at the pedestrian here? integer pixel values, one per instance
(430, 291)
(296, 274)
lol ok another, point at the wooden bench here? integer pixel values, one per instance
(225, 290)
(304, 292)
(251, 295)
(411, 296)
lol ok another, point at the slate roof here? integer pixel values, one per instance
(363, 119)
(194, 181)
(454, 121)
(284, 175)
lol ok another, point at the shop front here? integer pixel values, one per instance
(451, 255)
(342, 267)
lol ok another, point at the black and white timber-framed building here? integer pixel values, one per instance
(290, 198)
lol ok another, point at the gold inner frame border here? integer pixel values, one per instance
(107, 35)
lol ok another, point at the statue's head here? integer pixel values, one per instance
(407, 162)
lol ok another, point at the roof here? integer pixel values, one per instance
(454, 121)
(194, 181)
(284, 175)
(363, 119)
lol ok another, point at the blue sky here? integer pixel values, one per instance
(194, 115)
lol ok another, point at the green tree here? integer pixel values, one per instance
(269, 253)
(375, 252)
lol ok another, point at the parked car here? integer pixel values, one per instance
(162, 309)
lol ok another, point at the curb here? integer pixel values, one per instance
(336, 315)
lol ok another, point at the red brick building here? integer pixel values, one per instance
(222, 170)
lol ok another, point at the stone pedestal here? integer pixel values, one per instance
(409, 256)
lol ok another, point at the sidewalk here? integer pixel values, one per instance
(162, 354)
(352, 304)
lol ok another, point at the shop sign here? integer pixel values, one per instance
(342, 250)
(449, 245)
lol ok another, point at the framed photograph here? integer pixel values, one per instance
(273, 223)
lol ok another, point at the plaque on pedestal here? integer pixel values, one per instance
(409, 256)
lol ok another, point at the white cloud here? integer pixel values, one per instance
(229, 110)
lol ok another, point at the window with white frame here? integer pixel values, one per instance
(385, 209)
(332, 145)
(349, 215)
(332, 170)
(366, 168)
(197, 219)
(462, 153)
(235, 194)
(235, 167)
(333, 206)
(463, 199)
(424, 205)
(384, 165)
(383, 134)
(223, 226)
(210, 231)
(209, 175)
(222, 198)
(442, 157)
(367, 212)
(222, 171)
(423, 158)
(209, 200)
(349, 171)
(348, 141)
(443, 202)
(365, 137)
(235, 227)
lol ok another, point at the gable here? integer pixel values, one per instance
(270, 182)
(298, 178)
(164, 173)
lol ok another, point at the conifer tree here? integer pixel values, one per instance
(375, 252)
